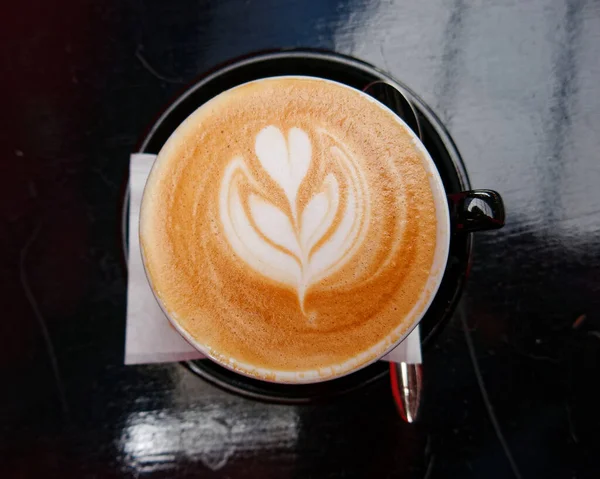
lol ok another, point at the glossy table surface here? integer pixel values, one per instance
(511, 383)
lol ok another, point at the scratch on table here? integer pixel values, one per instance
(535, 357)
(485, 397)
(451, 59)
(596, 334)
(383, 56)
(429, 469)
(570, 423)
(428, 453)
(150, 68)
(104, 178)
(40, 318)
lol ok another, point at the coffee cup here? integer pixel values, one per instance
(294, 229)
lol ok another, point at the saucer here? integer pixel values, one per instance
(436, 139)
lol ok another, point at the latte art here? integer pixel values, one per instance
(302, 242)
(289, 225)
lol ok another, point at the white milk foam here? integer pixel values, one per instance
(289, 249)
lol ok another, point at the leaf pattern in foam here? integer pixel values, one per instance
(319, 214)
(242, 236)
(278, 246)
(350, 232)
(273, 224)
(286, 162)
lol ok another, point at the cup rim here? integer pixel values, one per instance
(364, 358)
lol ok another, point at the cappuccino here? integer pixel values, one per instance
(289, 225)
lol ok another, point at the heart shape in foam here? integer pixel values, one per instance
(287, 162)
(319, 236)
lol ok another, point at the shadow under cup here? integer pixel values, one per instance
(465, 211)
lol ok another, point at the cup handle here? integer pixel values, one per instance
(476, 210)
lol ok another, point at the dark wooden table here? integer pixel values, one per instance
(518, 85)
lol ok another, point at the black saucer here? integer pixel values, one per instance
(435, 137)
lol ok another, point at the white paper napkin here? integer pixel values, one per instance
(149, 337)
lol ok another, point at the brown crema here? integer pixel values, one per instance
(214, 200)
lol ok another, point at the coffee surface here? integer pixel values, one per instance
(289, 224)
